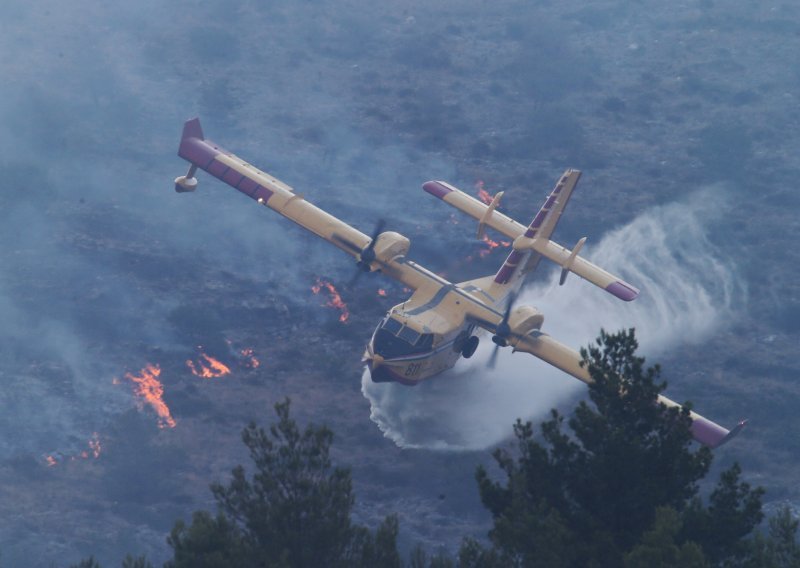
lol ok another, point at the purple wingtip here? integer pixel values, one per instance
(623, 290)
(436, 188)
(711, 434)
(192, 129)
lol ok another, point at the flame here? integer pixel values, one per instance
(381, 292)
(491, 245)
(150, 390)
(483, 195)
(207, 367)
(94, 451)
(250, 359)
(336, 299)
(94, 445)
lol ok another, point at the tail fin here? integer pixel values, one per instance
(542, 226)
(192, 129)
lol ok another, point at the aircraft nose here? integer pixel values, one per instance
(374, 361)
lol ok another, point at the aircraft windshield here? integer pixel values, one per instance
(392, 325)
(395, 340)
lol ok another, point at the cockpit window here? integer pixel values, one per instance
(393, 339)
(409, 335)
(392, 325)
(388, 345)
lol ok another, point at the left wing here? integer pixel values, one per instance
(568, 360)
(262, 187)
(386, 254)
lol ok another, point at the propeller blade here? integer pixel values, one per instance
(493, 358)
(502, 331)
(367, 254)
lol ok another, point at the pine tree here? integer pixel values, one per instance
(591, 495)
(293, 511)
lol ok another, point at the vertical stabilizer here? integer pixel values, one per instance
(192, 129)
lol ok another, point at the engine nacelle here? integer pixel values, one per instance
(525, 319)
(390, 245)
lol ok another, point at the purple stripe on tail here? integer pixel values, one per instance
(436, 189)
(509, 267)
(623, 290)
(192, 129)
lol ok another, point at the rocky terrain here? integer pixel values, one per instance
(105, 270)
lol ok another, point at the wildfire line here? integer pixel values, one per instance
(150, 390)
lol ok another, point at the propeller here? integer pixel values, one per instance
(366, 255)
(503, 331)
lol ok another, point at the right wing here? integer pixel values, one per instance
(568, 360)
(390, 247)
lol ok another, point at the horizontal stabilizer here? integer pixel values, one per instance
(580, 266)
(475, 208)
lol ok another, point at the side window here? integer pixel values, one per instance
(425, 341)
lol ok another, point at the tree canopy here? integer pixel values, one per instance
(619, 486)
(294, 510)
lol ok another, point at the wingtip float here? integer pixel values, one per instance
(441, 321)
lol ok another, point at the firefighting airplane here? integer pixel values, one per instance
(441, 321)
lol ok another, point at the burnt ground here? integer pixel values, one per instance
(105, 270)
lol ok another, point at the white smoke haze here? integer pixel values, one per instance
(688, 289)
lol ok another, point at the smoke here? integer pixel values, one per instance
(688, 289)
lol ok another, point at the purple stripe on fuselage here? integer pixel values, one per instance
(558, 188)
(622, 290)
(550, 200)
(436, 189)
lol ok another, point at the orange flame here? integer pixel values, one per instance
(336, 299)
(250, 359)
(483, 195)
(492, 245)
(94, 445)
(207, 367)
(150, 390)
(94, 451)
